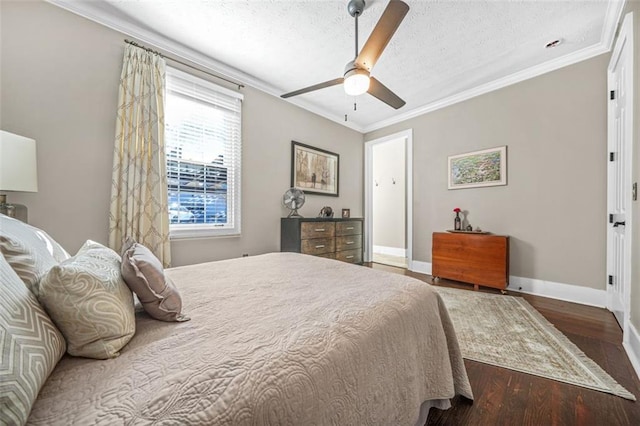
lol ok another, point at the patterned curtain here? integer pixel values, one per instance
(139, 201)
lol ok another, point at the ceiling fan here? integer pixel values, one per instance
(357, 79)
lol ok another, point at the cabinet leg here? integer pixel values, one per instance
(503, 291)
(476, 287)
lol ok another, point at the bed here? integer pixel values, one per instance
(281, 338)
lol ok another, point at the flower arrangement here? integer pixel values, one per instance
(457, 224)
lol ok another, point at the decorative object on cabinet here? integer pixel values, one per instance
(18, 171)
(334, 238)
(314, 170)
(479, 168)
(346, 213)
(481, 259)
(293, 199)
(326, 212)
(457, 224)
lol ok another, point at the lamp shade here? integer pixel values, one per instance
(18, 169)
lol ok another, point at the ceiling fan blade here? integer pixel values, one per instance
(383, 93)
(314, 87)
(382, 33)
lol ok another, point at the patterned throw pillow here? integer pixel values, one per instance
(143, 273)
(90, 303)
(30, 347)
(30, 251)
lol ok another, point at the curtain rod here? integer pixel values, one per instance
(133, 43)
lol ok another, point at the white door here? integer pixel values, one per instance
(620, 127)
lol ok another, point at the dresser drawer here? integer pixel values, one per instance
(349, 242)
(327, 255)
(349, 228)
(351, 256)
(318, 246)
(310, 230)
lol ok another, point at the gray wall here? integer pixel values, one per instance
(59, 84)
(554, 205)
(388, 199)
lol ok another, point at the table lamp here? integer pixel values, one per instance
(18, 171)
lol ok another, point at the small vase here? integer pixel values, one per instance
(457, 223)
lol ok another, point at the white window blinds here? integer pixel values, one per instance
(203, 148)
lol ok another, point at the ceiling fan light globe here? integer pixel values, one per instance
(356, 82)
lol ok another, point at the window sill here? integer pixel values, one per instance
(191, 232)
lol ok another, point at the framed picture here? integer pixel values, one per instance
(479, 168)
(314, 170)
(346, 213)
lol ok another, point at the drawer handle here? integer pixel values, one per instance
(350, 257)
(319, 229)
(349, 228)
(349, 242)
(320, 246)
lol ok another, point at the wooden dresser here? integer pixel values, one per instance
(479, 259)
(338, 238)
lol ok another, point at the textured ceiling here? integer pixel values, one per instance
(441, 49)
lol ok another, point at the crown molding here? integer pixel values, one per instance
(612, 19)
(500, 83)
(91, 10)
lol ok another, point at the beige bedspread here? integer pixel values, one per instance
(277, 339)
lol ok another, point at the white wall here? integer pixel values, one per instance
(388, 198)
(59, 86)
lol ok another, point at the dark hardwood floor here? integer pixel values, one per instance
(506, 397)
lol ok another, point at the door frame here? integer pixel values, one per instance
(407, 135)
(625, 38)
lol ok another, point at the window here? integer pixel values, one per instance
(203, 148)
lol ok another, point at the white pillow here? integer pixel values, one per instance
(89, 302)
(30, 251)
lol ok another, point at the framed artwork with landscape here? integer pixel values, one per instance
(479, 168)
(314, 170)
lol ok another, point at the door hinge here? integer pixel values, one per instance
(612, 156)
(612, 94)
(634, 191)
(610, 218)
(610, 279)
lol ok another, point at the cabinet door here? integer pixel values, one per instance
(351, 256)
(310, 230)
(350, 227)
(348, 242)
(318, 246)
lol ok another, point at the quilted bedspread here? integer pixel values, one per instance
(276, 339)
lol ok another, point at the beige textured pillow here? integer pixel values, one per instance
(89, 302)
(143, 273)
(30, 347)
(29, 250)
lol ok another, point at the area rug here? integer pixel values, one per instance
(508, 332)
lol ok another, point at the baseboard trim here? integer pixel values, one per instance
(420, 267)
(560, 291)
(632, 347)
(391, 251)
(553, 290)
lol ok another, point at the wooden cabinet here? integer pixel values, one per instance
(339, 239)
(479, 259)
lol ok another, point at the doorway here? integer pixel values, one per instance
(388, 200)
(619, 178)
